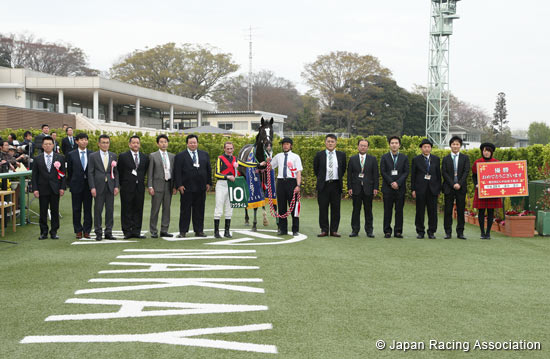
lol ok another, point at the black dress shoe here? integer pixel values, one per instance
(353, 234)
(43, 236)
(126, 236)
(398, 235)
(98, 237)
(387, 235)
(295, 234)
(420, 236)
(166, 234)
(461, 236)
(200, 234)
(281, 233)
(54, 236)
(154, 235)
(431, 236)
(448, 236)
(139, 236)
(109, 236)
(181, 235)
(371, 235)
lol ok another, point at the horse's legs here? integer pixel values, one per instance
(264, 213)
(246, 218)
(254, 228)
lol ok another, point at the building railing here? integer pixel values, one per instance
(315, 133)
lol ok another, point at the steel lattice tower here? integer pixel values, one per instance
(443, 13)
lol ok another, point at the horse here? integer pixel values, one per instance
(252, 154)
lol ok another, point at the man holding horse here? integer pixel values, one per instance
(289, 181)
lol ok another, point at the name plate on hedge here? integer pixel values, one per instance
(238, 192)
(502, 179)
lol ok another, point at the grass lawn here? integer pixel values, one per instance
(325, 298)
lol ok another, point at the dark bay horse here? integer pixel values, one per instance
(249, 157)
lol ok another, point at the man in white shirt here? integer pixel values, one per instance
(289, 181)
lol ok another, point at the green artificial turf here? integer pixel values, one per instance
(327, 298)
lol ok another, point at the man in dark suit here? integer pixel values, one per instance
(77, 178)
(193, 177)
(38, 139)
(68, 143)
(425, 186)
(455, 168)
(362, 186)
(48, 183)
(104, 185)
(329, 167)
(132, 166)
(394, 168)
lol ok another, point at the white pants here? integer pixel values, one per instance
(222, 200)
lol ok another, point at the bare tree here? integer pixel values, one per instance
(27, 51)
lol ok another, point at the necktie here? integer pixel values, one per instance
(330, 168)
(455, 162)
(49, 162)
(194, 157)
(105, 160)
(285, 165)
(427, 164)
(362, 163)
(83, 159)
(164, 163)
(71, 141)
(136, 160)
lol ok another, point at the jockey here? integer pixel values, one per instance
(226, 170)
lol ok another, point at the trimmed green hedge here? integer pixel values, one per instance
(307, 147)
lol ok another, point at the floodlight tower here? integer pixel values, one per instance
(443, 13)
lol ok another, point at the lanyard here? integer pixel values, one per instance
(394, 159)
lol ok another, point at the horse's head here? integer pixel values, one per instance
(264, 139)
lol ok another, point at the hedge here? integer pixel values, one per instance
(307, 147)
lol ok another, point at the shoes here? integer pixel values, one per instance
(431, 236)
(166, 234)
(54, 236)
(448, 236)
(139, 236)
(98, 237)
(181, 235)
(461, 236)
(322, 234)
(126, 236)
(200, 234)
(295, 234)
(79, 235)
(420, 236)
(353, 234)
(87, 235)
(398, 235)
(335, 234)
(43, 236)
(370, 235)
(281, 233)
(155, 235)
(109, 236)
(387, 235)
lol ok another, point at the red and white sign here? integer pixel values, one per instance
(502, 179)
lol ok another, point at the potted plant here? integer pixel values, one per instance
(520, 223)
(543, 204)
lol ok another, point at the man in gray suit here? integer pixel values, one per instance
(160, 182)
(104, 184)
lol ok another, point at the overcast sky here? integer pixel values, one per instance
(497, 46)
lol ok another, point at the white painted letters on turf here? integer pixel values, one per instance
(134, 309)
(188, 253)
(172, 267)
(183, 337)
(174, 282)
